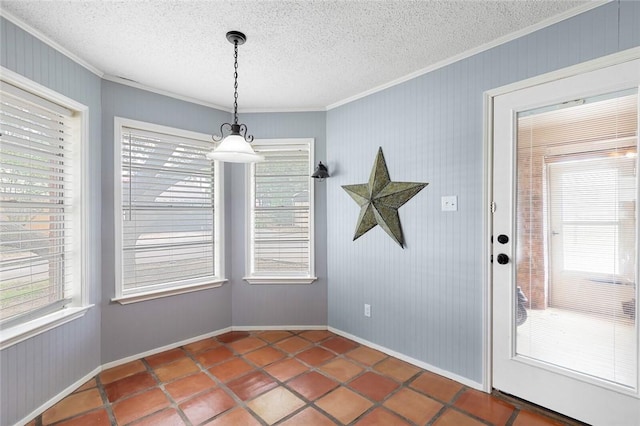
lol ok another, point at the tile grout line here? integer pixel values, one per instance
(337, 354)
(311, 368)
(452, 406)
(239, 402)
(341, 383)
(440, 412)
(380, 404)
(105, 398)
(308, 403)
(174, 404)
(514, 414)
(220, 384)
(316, 368)
(287, 355)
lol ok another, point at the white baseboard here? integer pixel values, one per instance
(164, 348)
(417, 363)
(59, 397)
(67, 391)
(278, 327)
(206, 336)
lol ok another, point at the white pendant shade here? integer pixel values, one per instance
(235, 149)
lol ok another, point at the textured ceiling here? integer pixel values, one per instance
(298, 55)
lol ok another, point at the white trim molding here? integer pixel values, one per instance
(413, 361)
(150, 295)
(80, 286)
(463, 55)
(168, 347)
(136, 85)
(277, 327)
(581, 68)
(59, 397)
(177, 287)
(69, 389)
(479, 49)
(288, 277)
(46, 40)
(487, 184)
(19, 333)
(280, 280)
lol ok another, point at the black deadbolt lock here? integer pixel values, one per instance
(503, 239)
(503, 259)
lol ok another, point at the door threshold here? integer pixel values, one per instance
(522, 404)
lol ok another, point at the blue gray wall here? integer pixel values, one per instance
(139, 327)
(426, 300)
(36, 370)
(264, 305)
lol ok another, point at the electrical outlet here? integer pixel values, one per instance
(367, 310)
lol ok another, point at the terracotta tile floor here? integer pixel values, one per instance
(304, 378)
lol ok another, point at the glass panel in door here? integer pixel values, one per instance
(576, 237)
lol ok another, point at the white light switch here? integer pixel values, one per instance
(449, 203)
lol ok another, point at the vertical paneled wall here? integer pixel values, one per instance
(426, 300)
(273, 305)
(139, 327)
(36, 370)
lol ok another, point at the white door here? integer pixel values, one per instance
(565, 227)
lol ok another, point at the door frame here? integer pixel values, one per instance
(487, 185)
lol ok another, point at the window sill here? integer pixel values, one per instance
(141, 297)
(16, 334)
(280, 280)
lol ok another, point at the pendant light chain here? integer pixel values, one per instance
(235, 146)
(235, 85)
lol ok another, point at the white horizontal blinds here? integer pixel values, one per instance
(36, 205)
(281, 229)
(577, 235)
(592, 198)
(167, 211)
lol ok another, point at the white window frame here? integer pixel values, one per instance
(182, 287)
(559, 168)
(79, 303)
(250, 277)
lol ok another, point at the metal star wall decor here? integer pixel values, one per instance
(380, 199)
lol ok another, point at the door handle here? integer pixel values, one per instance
(503, 259)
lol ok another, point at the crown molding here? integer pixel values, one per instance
(135, 84)
(471, 52)
(46, 40)
(466, 54)
(274, 110)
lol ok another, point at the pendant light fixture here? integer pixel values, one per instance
(236, 146)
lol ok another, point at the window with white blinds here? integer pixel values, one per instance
(168, 211)
(40, 210)
(589, 198)
(281, 213)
